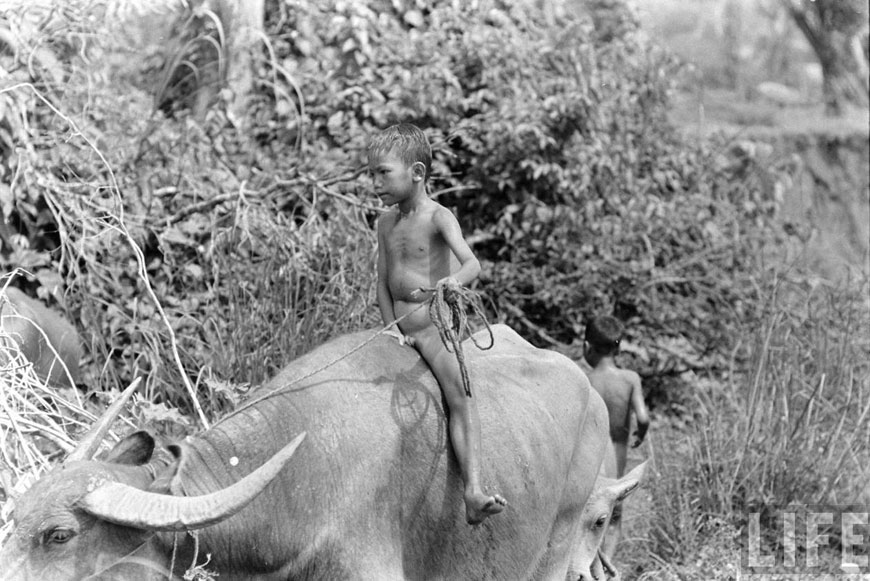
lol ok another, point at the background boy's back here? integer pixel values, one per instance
(619, 388)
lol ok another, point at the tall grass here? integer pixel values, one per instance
(245, 291)
(805, 436)
(308, 282)
(788, 429)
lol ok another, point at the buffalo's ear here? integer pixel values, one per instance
(135, 449)
(166, 461)
(629, 482)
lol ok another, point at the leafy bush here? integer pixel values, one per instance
(558, 159)
(556, 155)
(179, 247)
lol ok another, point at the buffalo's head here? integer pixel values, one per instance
(90, 519)
(589, 561)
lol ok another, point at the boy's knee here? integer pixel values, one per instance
(448, 375)
(456, 398)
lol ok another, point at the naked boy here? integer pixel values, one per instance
(418, 240)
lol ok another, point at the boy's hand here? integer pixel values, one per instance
(639, 435)
(451, 288)
(450, 282)
(403, 339)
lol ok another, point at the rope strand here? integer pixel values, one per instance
(325, 366)
(448, 309)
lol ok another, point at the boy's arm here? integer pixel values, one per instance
(448, 226)
(640, 412)
(385, 298)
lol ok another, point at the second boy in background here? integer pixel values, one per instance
(621, 391)
(619, 388)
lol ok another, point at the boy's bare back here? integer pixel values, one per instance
(621, 391)
(616, 387)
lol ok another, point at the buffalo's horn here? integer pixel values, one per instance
(89, 445)
(129, 506)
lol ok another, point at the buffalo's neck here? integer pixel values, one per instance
(249, 540)
(233, 448)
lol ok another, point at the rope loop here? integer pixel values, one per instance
(448, 309)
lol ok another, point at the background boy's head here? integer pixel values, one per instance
(406, 141)
(603, 335)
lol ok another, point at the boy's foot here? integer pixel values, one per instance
(480, 506)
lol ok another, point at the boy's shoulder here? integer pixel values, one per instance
(429, 215)
(434, 207)
(432, 213)
(629, 375)
(614, 372)
(584, 365)
(441, 215)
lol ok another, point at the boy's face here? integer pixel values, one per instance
(393, 180)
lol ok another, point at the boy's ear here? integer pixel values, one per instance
(418, 171)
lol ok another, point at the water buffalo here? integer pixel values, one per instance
(373, 493)
(42, 335)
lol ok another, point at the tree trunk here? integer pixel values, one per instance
(833, 36)
(242, 24)
(246, 32)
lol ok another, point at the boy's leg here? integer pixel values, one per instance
(463, 425)
(621, 451)
(614, 532)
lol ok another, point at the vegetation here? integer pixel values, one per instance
(202, 251)
(789, 431)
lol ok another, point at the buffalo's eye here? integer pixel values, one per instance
(601, 521)
(58, 536)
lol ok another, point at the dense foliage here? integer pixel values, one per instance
(558, 159)
(255, 235)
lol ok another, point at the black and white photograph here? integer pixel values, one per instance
(434, 290)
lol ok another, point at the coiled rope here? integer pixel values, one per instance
(448, 309)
